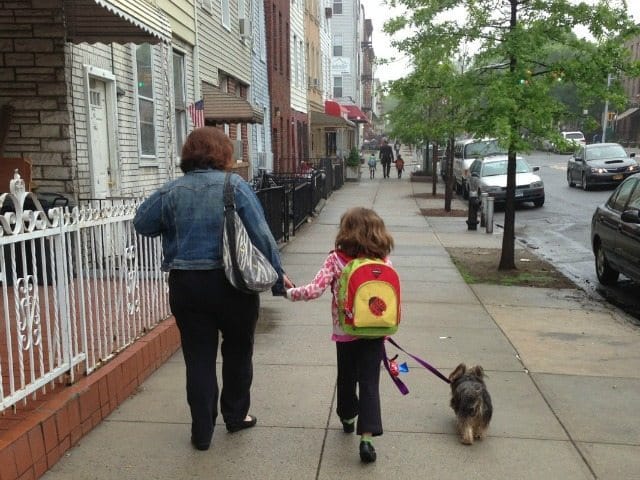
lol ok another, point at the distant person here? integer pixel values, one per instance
(373, 164)
(362, 233)
(596, 138)
(386, 157)
(396, 147)
(399, 165)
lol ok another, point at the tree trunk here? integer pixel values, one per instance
(434, 170)
(507, 261)
(448, 193)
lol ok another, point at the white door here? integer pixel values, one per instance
(100, 130)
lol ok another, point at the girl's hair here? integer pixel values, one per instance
(206, 148)
(362, 234)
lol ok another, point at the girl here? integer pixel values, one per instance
(400, 165)
(372, 165)
(362, 233)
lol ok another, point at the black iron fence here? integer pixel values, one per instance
(290, 198)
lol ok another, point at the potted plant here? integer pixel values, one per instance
(353, 163)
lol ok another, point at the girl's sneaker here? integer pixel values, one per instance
(367, 452)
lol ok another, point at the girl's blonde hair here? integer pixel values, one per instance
(362, 233)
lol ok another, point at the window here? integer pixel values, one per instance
(634, 199)
(624, 191)
(337, 87)
(180, 96)
(337, 45)
(146, 107)
(337, 7)
(226, 15)
(206, 6)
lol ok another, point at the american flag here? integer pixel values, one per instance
(196, 110)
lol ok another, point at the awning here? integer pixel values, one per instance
(221, 107)
(319, 119)
(355, 114)
(626, 113)
(117, 21)
(335, 109)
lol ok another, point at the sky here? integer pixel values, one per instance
(379, 13)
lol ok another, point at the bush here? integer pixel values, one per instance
(353, 160)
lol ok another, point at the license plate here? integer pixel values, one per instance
(519, 194)
(618, 177)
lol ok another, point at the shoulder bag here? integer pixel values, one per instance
(246, 267)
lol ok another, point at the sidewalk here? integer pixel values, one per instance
(563, 373)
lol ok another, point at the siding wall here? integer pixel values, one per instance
(348, 24)
(260, 135)
(134, 173)
(222, 49)
(298, 67)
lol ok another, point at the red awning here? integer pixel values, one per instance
(355, 114)
(335, 109)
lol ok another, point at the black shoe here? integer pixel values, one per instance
(367, 452)
(348, 427)
(236, 427)
(200, 445)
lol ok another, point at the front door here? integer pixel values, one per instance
(100, 152)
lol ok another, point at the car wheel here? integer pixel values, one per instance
(606, 274)
(539, 202)
(585, 187)
(570, 180)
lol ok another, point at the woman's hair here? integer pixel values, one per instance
(206, 148)
(362, 234)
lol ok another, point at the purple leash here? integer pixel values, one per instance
(401, 386)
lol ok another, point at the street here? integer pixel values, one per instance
(560, 231)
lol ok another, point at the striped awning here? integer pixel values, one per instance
(221, 107)
(115, 21)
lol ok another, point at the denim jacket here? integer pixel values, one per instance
(189, 212)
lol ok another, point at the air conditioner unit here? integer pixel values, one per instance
(328, 12)
(237, 149)
(262, 160)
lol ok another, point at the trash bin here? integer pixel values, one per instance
(48, 200)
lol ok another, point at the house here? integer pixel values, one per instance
(88, 95)
(279, 74)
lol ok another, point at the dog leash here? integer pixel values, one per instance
(401, 386)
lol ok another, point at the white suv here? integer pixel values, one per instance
(464, 153)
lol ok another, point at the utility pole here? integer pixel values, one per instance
(605, 116)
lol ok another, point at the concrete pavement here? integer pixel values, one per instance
(563, 372)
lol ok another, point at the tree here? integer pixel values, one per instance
(513, 69)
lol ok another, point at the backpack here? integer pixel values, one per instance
(368, 298)
(372, 161)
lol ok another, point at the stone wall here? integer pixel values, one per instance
(32, 81)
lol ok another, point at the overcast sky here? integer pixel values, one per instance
(378, 12)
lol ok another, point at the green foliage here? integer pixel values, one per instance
(353, 159)
(527, 73)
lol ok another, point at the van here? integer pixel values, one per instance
(464, 153)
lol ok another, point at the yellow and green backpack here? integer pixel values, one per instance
(368, 297)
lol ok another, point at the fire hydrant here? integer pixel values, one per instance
(474, 203)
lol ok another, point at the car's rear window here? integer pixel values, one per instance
(574, 135)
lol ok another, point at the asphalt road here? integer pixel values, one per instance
(560, 231)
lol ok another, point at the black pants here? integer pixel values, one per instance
(204, 303)
(359, 364)
(386, 169)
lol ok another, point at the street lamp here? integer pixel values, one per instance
(606, 112)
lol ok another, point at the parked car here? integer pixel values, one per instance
(489, 175)
(615, 233)
(464, 153)
(600, 164)
(569, 142)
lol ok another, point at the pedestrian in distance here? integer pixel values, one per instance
(386, 157)
(362, 233)
(399, 165)
(188, 213)
(373, 164)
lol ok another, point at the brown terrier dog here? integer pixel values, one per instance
(471, 402)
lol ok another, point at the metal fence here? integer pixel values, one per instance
(301, 193)
(77, 285)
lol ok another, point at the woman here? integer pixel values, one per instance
(188, 213)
